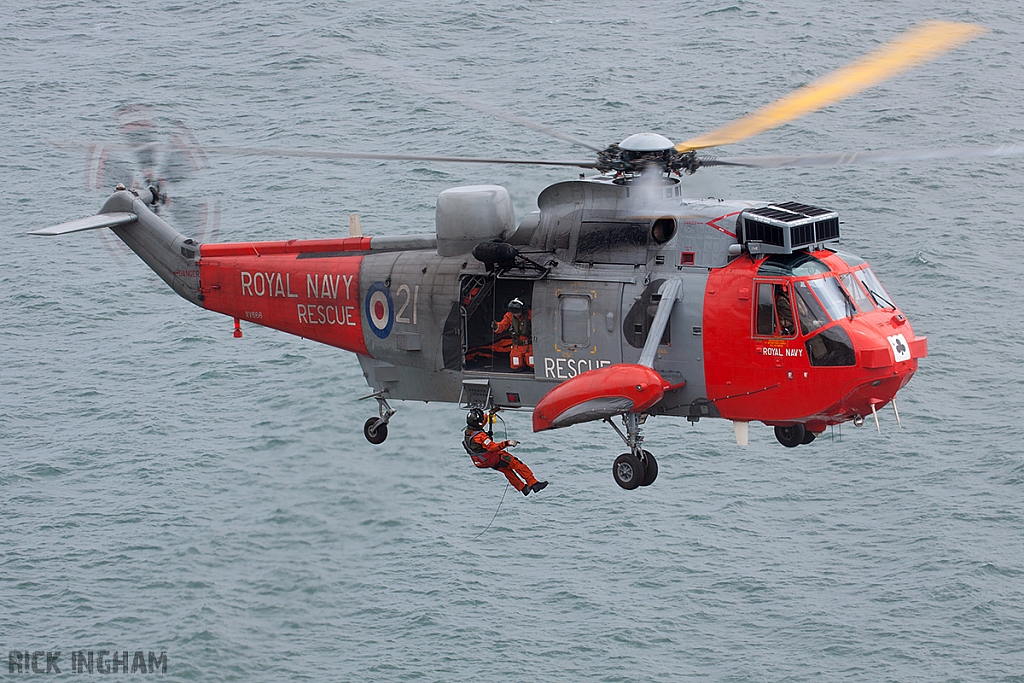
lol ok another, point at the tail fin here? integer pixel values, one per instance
(170, 254)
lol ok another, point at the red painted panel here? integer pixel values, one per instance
(261, 249)
(770, 379)
(316, 298)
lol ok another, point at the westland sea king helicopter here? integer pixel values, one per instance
(640, 302)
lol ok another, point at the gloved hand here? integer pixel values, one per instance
(494, 326)
(513, 443)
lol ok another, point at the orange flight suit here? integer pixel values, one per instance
(521, 352)
(489, 453)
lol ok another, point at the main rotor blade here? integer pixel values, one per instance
(426, 86)
(913, 48)
(316, 154)
(512, 118)
(848, 158)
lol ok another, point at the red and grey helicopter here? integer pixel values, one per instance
(643, 302)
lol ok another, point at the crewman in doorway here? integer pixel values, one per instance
(519, 322)
(488, 453)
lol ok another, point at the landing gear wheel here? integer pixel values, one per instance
(650, 469)
(791, 436)
(628, 471)
(809, 436)
(375, 436)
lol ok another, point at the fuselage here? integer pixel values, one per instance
(809, 337)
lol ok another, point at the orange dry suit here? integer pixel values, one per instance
(522, 338)
(486, 452)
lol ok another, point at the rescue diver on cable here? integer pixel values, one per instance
(487, 453)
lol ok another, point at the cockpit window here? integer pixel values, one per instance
(811, 314)
(860, 296)
(774, 311)
(798, 264)
(831, 295)
(850, 259)
(875, 288)
(831, 348)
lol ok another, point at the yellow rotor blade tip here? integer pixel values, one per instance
(915, 47)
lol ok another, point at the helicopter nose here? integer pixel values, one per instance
(889, 359)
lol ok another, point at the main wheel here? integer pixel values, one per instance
(375, 436)
(628, 471)
(809, 436)
(650, 469)
(791, 436)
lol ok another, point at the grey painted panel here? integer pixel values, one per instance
(681, 359)
(422, 286)
(170, 254)
(554, 359)
(413, 384)
(467, 216)
(401, 242)
(685, 356)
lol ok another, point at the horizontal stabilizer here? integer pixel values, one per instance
(103, 220)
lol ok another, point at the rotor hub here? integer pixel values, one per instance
(643, 152)
(646, 143)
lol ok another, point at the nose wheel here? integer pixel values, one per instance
(375, 429)
(638, 467)
(794, 435)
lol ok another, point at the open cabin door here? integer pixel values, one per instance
(484, 300)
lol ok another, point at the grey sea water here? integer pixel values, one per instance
(166, 487)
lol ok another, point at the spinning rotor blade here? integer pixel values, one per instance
(540, 128)
(315, 154)
(426, 86)
(848, 158)
(498, 113)
(913, 48)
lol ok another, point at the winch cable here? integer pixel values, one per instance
(490, 433)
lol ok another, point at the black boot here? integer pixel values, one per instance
(540, 486)
(525, 490)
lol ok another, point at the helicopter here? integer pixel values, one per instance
(641, 302)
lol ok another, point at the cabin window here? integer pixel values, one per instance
(774, 310)
(575, 320)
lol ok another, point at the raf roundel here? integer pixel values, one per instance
(380, 309)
